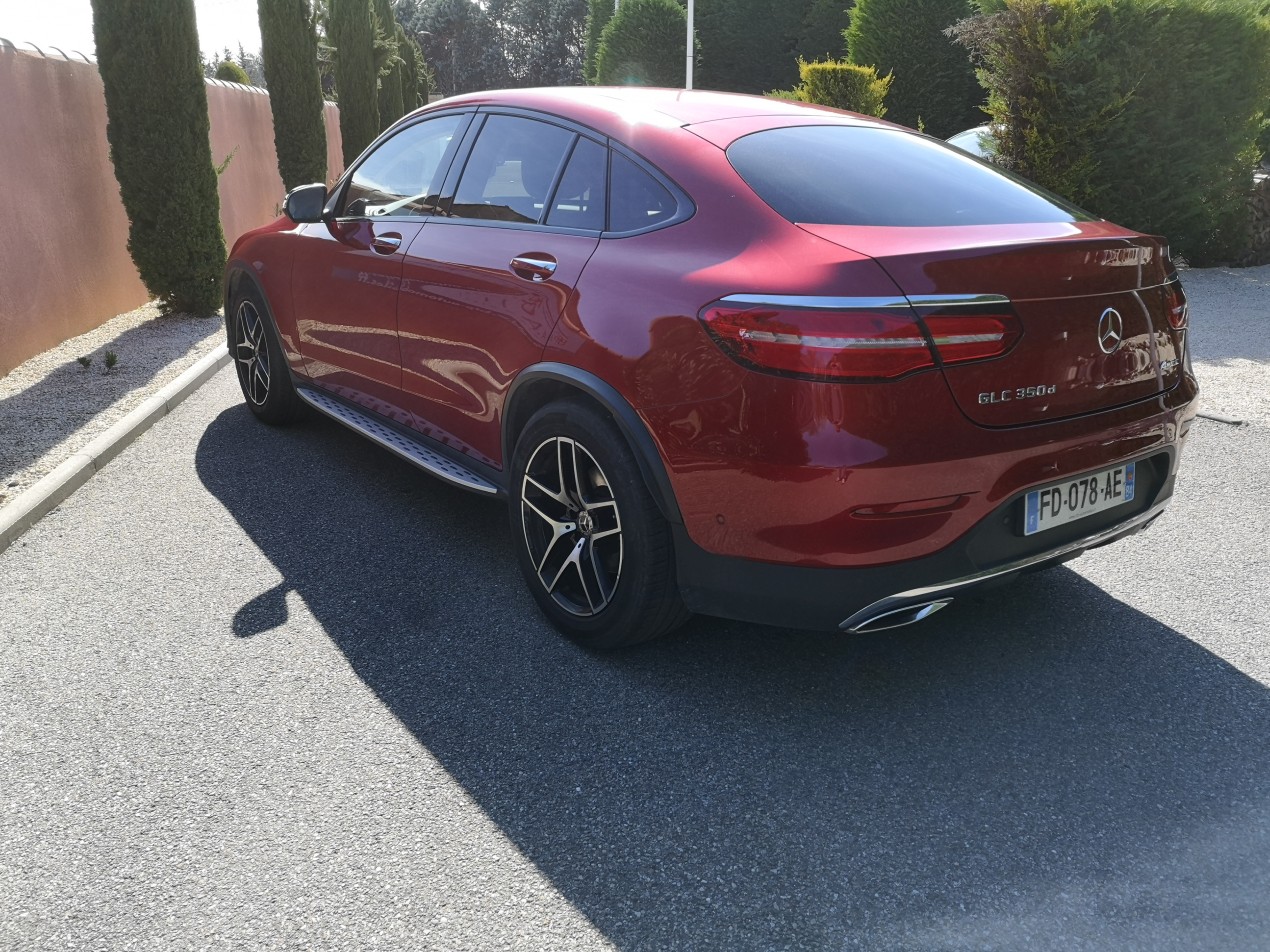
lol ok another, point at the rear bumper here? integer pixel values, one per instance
(876, 597)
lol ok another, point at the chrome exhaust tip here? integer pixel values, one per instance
(896, 617)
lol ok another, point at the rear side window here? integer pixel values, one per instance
(510, 172)
(637, 200)
(852, 175)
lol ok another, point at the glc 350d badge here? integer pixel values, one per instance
(1110, 331)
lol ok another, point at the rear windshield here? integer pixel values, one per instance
(853, 175)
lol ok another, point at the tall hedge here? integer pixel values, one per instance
(351, 29)
(290, 51)
(157, 125)
(645, 44)
(934, 79)
(391, 98)
(599, 12)
(1145, 112)
(747, 46)
(820, 34)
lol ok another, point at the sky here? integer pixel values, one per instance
(69, 24)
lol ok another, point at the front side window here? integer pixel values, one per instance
(511, 170)
(403, 175)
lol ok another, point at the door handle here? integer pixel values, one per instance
(386, 244)
(534, 267)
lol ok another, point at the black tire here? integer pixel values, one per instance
(595, 550)
(262, 367)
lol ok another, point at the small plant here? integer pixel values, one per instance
(85, 361)
(111, 358)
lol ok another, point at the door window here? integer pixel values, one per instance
(404, 175)
(579, 201)
(511, 170)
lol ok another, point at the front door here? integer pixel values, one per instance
(347, 273)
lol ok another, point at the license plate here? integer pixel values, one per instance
(1078, 498)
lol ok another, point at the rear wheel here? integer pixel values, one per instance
(593, 547)
(262, 368)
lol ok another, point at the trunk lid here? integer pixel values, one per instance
(1089, 298)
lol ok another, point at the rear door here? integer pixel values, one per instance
(485, 282)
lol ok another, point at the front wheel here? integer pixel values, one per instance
(594, 549)
(258, 357)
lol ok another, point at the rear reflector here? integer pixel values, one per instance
(828, 343)
(1175, 300)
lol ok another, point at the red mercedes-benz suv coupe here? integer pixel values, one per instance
(726, 354)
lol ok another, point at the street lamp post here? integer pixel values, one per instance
(688, 64)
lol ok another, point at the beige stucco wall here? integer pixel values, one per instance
(64, 264)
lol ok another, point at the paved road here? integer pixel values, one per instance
(267, 689)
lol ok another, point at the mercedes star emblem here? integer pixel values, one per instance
(1110, 331)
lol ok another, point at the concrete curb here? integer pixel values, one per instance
(55, 488)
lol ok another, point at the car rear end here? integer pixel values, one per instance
(953, 378)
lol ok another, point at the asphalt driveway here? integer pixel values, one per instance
(274, 689)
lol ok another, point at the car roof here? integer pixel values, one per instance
(613, 110)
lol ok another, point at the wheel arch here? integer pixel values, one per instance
(540, 384)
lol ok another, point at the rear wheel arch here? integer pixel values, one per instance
(544, 383)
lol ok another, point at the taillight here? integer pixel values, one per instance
(1175, 302)
(854, 343)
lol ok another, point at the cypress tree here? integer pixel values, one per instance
(643, 45)
(351, 28)
(391, 106)
(157, 125)
(934, 79)
(409, 54)
(599, 13)
(289, 47)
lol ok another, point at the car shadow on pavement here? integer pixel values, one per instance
(1041, 767)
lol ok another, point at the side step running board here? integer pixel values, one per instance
(397, 442)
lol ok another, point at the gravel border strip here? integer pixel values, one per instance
(46, 495)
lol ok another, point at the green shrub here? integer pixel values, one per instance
(843, 86)
(157, 125)
(351, 29)
(934, 79)
(1146, 112)
(644, 44)
(289, 49)
(599, 12)
(230, 72)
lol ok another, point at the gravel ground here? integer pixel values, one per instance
(1230, 321)
(52, 406)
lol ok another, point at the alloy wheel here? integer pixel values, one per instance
(572, 526)
(252, 354)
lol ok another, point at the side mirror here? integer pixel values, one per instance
(305, 204)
